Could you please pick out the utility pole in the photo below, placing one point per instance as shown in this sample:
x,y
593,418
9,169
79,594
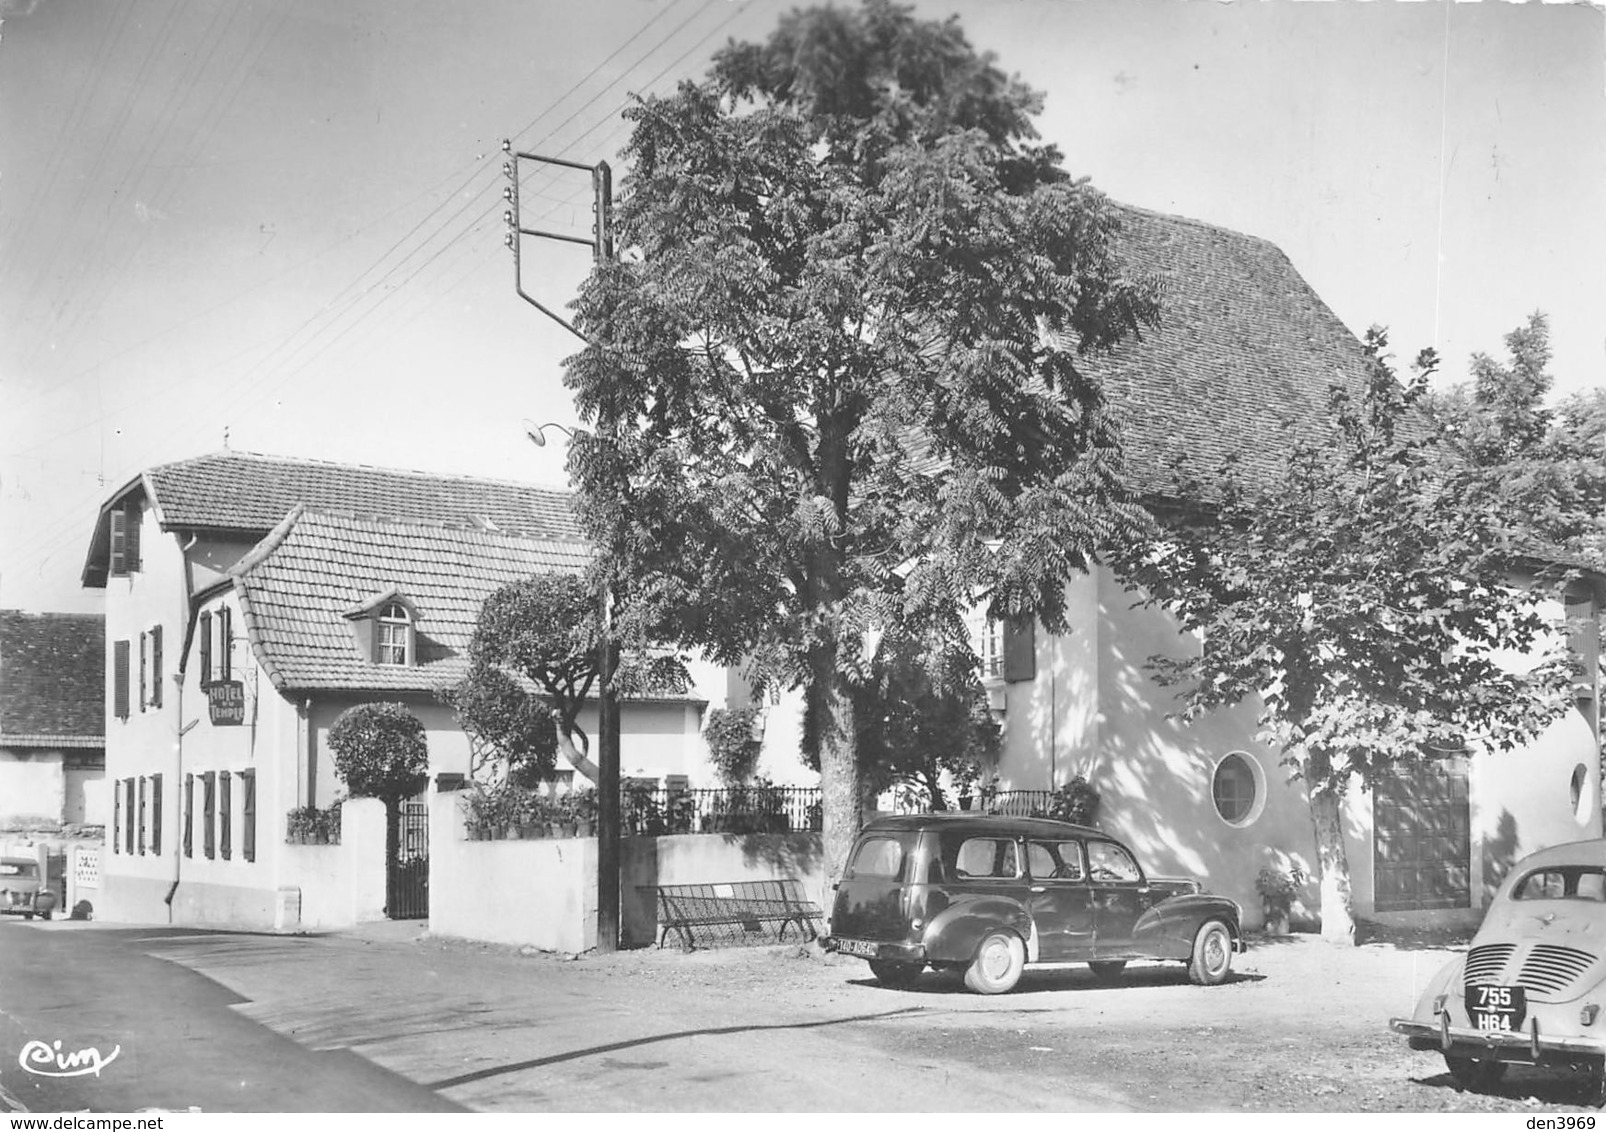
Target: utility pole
x,y
608,832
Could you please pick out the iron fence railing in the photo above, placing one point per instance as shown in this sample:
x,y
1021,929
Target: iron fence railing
x,y
1010,803
657,810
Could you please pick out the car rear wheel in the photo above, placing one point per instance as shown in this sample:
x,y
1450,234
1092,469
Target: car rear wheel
x,y
998,964
1211,961
1107,970
895,972
1471,1073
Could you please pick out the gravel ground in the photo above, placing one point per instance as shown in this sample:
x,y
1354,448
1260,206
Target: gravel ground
x,y
1303,1025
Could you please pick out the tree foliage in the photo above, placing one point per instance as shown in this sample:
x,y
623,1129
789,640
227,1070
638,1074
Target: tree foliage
x,y
733,745
835,374
1365,597
1540,471
380,751
547,630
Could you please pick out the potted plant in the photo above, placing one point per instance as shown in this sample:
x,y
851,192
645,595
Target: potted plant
x,y
1279,888
584,805
299,824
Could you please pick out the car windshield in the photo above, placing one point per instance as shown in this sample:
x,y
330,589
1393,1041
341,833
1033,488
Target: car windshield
x,y
18,868
1563,882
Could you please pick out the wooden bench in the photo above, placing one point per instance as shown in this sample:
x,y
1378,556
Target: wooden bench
x,y
741,912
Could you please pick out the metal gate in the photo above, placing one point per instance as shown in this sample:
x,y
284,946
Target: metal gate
x,y
407,870
1422,838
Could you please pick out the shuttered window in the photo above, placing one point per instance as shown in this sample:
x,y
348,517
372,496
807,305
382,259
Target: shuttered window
x,y
156,814
128,813
189,815
117,817
144,672
1020,649
225,640
205,635
225,811
124,527
142,815
208,809
248,814
156,666
120,679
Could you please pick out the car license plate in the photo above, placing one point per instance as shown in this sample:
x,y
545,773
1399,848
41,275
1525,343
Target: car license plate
x,y
861,947
1497,1008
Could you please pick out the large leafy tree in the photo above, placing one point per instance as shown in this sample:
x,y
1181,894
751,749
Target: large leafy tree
x,y
1541,471
1365,597
834,373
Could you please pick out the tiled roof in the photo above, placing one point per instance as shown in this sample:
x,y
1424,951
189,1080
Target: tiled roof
x,y
52,679
1243,357
297,587
245,491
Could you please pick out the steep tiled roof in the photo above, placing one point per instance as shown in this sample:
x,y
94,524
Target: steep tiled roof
x,y
1243,357
52,679
298,586
245,491
249,494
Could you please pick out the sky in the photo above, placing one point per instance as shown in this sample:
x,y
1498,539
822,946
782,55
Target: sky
x,y
276,225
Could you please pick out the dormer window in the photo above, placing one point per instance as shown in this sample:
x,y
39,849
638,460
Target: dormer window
x,y
393,637
385,628
124,530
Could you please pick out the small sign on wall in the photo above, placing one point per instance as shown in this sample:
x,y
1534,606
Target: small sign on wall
x,y
226,699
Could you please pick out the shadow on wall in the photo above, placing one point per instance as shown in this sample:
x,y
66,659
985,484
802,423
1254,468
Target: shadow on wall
x,y
790,855
1154,772
1500,852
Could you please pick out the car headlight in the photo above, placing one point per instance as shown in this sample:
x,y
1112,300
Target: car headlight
x,y
1438,1003
1588,1014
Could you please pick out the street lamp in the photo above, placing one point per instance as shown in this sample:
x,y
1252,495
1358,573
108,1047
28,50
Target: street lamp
x,y
607,750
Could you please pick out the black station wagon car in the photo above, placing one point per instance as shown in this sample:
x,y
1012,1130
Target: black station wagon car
x,y
1532,987
991,895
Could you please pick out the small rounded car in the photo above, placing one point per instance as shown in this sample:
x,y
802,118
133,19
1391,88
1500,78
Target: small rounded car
x,y
989,896
21,892
1531,988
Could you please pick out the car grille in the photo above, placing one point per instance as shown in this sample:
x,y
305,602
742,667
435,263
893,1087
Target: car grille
x,y
1485,963
1549,968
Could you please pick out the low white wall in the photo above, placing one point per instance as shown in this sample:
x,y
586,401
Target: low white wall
x,y
540,893
336,885
543,893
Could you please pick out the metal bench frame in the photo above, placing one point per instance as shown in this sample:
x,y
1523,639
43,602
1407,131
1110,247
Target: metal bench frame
x,y
740,912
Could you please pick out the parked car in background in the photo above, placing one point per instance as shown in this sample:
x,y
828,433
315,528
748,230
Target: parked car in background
x,y
990,896
22,891
1532,987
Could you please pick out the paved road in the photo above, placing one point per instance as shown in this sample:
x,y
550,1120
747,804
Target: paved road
x,y
225,1021
179,1038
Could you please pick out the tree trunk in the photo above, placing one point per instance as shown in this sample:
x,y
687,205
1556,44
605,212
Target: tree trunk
x,y
583,766
1327,815
841,790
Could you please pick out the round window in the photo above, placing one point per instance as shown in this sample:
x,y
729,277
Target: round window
x,y
1234,789
1576,791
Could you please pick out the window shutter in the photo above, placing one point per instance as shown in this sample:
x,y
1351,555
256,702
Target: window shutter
x,y
119,541
128,812
206,649
120,679
225,810
208,808
225,640
142,815
144,645
189,815
248,814
156,666
132,515
1020,649
156,814
117,817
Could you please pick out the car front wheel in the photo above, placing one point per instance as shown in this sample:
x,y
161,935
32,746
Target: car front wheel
x,y
1471,1073
895,972
1211,961
997,965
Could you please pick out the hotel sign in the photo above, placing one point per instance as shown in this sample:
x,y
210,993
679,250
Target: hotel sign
x,y
226,698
